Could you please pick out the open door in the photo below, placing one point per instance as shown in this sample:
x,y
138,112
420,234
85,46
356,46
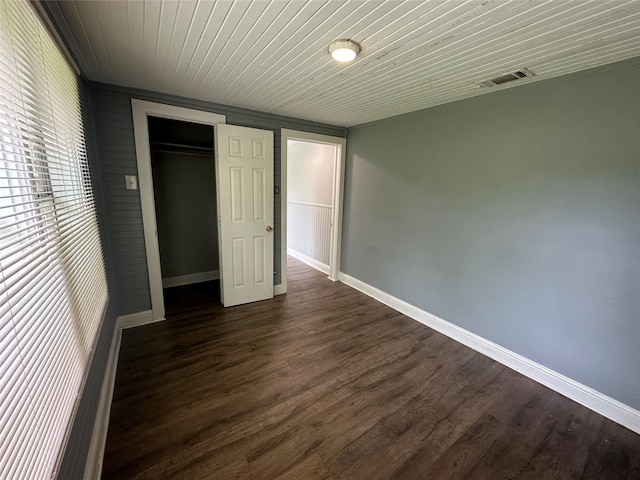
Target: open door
x,y
244,177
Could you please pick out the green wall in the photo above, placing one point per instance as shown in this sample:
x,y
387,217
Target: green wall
x,y
514,215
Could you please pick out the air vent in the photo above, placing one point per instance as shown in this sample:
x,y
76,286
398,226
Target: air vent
x,y
509,77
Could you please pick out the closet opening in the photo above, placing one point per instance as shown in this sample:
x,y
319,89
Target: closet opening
x,y
184,189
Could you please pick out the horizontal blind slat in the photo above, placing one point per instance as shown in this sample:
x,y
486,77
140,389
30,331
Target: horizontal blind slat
x,y
52,280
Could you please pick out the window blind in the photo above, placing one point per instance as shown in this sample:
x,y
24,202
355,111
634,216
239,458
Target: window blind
x,y
52,281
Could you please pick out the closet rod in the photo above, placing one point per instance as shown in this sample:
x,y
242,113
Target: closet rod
x,y
181,152
182,145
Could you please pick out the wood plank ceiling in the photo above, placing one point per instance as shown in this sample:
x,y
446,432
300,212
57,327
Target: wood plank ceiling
x,y
272,56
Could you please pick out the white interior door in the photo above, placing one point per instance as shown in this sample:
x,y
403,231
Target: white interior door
x,y
244,176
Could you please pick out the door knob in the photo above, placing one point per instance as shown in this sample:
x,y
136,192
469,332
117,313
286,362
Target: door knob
x,y
269,228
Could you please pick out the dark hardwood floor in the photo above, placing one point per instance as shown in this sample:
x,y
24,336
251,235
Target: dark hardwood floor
x,y
325,382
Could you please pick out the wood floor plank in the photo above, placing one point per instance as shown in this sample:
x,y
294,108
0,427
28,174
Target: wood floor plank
x,y
325,382
313,467
463,455
609,455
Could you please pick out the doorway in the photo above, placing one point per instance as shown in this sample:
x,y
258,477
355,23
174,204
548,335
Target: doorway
x,y
141,111
310,201
244,257
313,166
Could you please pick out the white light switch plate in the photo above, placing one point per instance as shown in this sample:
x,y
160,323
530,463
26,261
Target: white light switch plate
x,y
131,182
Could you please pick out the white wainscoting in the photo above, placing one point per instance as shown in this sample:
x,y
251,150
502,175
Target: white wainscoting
x,y
308,260
309,231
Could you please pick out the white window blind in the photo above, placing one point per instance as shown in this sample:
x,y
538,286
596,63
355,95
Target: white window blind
x,y
52,281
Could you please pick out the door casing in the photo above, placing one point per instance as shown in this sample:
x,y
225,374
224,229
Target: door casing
x,y
341,144
141,109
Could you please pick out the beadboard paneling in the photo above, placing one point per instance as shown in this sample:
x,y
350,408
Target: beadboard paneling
x,y
309,230
272,56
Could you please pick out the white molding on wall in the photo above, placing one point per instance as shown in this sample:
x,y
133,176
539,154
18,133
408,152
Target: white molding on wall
x,y
338,194
279,289
308,260
95,456
137,319
310,231
310,204
81,390
582,394
140,110
191,278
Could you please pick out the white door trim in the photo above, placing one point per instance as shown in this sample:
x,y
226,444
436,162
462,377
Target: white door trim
x,y
141,109
338,191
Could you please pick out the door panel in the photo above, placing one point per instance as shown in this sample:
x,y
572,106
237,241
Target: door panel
x,y
244,172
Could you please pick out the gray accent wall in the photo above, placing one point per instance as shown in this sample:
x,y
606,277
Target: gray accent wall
x,y
116,152
514,215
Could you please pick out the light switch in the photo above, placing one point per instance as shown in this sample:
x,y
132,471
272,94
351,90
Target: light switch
x,y
131,181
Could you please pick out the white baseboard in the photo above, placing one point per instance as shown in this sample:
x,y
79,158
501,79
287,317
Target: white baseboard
x,y
93,466
584,395
191,278
279,289
308,260
136,319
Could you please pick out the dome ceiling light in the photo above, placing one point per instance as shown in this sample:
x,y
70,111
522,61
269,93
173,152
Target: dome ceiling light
x,y
344,50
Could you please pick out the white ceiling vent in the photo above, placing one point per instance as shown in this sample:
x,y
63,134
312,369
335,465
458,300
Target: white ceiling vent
x,y
508,77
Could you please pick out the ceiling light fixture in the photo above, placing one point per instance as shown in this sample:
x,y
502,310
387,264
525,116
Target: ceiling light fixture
x,y
344,50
